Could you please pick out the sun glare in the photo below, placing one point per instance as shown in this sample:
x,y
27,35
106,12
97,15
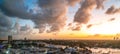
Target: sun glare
x,y
106,28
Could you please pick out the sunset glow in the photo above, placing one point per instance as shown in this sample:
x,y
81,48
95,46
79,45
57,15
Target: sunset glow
x,y
60,19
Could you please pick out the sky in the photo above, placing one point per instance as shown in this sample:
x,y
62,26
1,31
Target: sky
x,y
59,19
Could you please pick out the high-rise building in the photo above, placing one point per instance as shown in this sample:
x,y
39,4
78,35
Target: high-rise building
x,y
25,38
9,39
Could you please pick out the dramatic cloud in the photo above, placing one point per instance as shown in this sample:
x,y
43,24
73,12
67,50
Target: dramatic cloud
x,y
113,10
17,27
83,14
26,29
49,12
5,24
15,8
54,15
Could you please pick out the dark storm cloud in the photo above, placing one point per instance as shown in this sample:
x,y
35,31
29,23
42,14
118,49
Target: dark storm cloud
x,y
112,10
26,29
5,24
15,8
52,12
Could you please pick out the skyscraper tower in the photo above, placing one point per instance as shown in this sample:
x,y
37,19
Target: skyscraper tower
x,y
9,39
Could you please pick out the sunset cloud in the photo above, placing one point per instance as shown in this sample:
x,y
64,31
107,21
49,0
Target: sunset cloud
x,y
48,14
52,16
113,10
83,14
90,25
112,19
